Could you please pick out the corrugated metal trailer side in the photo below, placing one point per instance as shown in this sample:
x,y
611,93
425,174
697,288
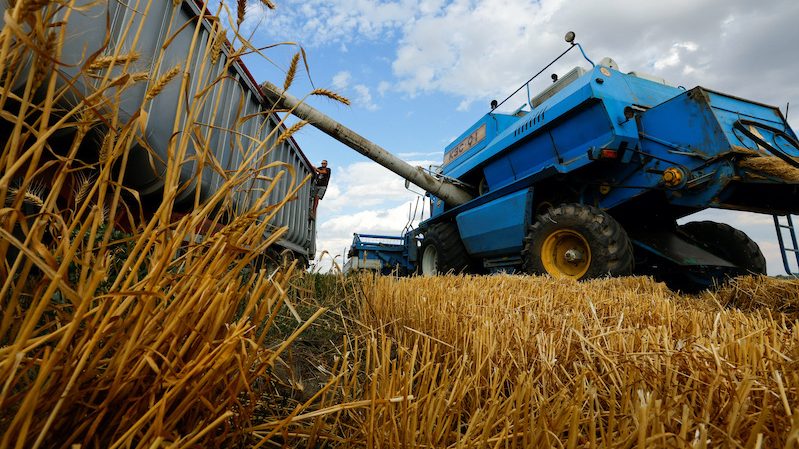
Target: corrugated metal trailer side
x,y
162,35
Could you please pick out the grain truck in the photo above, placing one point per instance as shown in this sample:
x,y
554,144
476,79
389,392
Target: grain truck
x,y
164,56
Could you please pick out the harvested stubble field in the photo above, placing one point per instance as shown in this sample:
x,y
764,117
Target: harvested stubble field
x,y
509,361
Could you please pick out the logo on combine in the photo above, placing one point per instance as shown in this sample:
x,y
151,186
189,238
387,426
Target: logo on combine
x,y
466,144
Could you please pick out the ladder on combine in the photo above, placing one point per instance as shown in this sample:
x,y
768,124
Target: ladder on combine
x,y
790,254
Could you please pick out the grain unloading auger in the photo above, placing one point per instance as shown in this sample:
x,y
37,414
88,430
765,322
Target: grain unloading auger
x,y
589,178
447,191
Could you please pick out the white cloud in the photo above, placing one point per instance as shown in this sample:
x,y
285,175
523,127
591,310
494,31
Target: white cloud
x,y
362,94
363,97
478,49
341,80
383,87
364,185
465,104
427,155
326,22
673,58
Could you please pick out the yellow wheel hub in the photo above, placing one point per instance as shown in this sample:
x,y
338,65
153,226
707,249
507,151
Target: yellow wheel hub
x,y
565,253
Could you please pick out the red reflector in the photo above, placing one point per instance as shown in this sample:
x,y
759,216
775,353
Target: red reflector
x,y
609,154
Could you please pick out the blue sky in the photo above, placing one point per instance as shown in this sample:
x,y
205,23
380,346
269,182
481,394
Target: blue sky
x,y
419,72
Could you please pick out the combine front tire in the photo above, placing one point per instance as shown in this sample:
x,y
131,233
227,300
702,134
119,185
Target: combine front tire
x,y
442,251
578,242
730,244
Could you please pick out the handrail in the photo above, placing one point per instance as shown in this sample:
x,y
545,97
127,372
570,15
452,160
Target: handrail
x,y
527,84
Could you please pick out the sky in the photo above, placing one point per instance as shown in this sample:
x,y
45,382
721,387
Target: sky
x,y
420,72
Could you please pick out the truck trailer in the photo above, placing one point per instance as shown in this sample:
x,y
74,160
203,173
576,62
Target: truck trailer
x,y
151,39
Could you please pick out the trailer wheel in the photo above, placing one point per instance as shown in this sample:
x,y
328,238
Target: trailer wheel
x,y
442,251
730,244
578,242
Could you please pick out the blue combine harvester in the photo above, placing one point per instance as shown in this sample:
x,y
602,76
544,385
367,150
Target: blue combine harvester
x,y
385,254
589,178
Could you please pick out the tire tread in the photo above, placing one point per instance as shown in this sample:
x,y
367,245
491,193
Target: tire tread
x,y
609,243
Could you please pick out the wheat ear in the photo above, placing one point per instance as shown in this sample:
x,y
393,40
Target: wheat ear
x,y
31,6
102,62
43,63
292,71
34,194
241,6
288,133
219,40
330,94
139,76
84,184
162,82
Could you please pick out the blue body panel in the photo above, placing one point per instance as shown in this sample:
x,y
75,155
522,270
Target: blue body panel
x,y
384,253
497,227
694,130
558,133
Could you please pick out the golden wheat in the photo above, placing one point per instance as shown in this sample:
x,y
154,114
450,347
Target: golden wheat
x,y
509,361
139,76
119,325
241,10
292,71
330,94
285,135
103,62
162,81
218,42
43,61
771,166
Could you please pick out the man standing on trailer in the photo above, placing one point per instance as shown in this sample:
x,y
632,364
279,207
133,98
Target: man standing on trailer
x,y
321,180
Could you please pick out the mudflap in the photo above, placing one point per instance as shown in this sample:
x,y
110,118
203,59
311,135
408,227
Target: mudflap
x,y
679,262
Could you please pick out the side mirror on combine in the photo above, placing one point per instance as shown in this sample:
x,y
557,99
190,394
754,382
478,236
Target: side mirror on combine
x,y
570,36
